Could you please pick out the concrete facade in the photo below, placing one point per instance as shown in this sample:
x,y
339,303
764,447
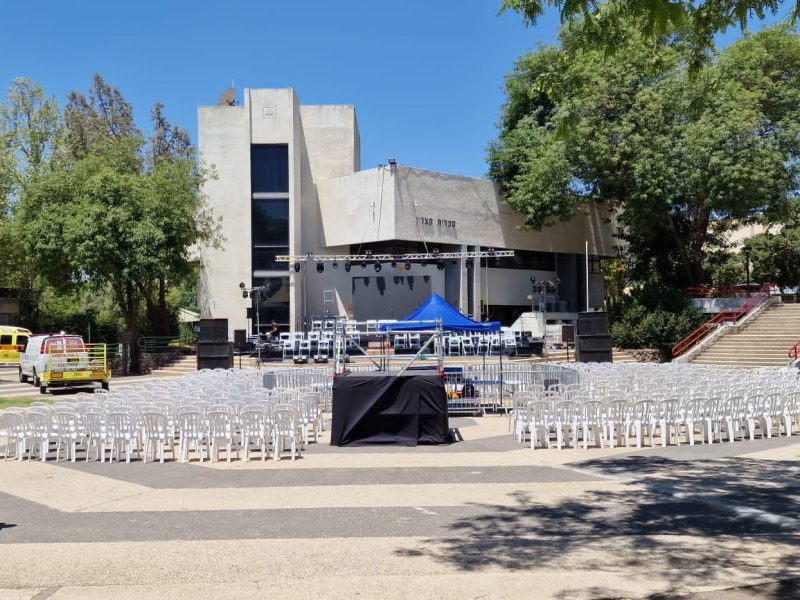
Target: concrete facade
x,y
336,208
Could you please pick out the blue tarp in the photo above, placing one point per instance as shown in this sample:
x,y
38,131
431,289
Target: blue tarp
x,y
437,307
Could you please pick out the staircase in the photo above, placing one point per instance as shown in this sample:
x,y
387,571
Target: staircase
x,y
763,343
185,364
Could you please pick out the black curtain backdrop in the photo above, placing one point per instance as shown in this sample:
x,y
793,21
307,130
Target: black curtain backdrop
x,y
389,410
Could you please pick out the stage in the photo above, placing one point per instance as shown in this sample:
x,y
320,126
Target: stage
x,y
385,409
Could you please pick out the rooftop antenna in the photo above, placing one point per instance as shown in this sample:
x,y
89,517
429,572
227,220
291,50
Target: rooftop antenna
x,y
228,98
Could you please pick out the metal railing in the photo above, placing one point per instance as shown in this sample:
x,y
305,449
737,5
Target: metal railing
x,y
724,317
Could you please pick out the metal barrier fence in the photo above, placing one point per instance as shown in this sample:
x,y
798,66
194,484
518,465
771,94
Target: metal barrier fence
x,y
490,385
474,388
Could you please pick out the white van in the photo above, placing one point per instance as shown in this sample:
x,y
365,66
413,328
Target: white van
x,y
60,360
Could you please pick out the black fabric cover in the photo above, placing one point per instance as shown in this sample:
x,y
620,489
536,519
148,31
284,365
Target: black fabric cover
x,y
386,409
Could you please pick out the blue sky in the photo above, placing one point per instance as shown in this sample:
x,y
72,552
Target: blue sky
x,y
425,76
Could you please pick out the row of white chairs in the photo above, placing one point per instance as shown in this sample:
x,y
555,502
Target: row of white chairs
x,y
207,410
613,403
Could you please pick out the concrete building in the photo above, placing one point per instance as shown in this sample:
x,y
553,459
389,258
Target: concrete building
x,y
289,181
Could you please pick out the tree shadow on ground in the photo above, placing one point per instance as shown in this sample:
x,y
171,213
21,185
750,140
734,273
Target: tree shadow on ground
x,y
642,530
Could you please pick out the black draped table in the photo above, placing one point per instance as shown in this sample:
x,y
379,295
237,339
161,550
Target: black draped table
x,y
376,408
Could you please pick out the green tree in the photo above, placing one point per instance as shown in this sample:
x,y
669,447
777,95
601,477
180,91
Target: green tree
x,y
602,22
30,135
116,213
775,258
669,154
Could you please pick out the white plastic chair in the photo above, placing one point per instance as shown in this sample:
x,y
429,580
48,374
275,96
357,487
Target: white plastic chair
x,y
122,433
565,421
254,426
156,435
221,431
592,421
67,432
38,432
191,430
285,428
95,422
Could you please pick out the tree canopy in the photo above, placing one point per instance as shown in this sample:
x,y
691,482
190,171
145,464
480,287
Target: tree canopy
x,y
678,159
603,23
94,203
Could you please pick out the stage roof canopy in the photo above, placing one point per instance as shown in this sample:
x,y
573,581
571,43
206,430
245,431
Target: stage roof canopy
x,y
436,307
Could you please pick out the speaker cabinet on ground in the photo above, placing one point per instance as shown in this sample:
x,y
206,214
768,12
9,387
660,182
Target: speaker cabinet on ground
x,y
239,337
214,355
593,348
213,330
592,323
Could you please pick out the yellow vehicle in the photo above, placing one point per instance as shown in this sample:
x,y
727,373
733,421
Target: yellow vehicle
x,y
12,343
61,360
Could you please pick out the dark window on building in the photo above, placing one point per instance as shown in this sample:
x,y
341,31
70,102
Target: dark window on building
x,y
274,305
269,169
264,259
595,264
270,222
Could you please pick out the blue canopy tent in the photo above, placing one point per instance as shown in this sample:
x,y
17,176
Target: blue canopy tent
x,y
437,308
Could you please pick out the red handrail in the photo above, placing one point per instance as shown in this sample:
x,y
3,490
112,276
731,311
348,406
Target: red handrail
x,y
718,319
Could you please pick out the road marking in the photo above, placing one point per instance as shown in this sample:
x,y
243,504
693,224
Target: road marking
x,y
424,511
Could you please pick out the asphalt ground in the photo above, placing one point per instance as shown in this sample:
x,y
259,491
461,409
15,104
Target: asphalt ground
x,y
482,518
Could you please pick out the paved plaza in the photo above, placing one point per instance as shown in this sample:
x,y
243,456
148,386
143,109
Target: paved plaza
x,y
484,518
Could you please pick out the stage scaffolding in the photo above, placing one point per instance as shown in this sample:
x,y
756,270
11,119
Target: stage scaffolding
x,y
353,341
486,382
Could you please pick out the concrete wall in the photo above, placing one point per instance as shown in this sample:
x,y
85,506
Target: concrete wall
x,y
358,208
447,209
224,144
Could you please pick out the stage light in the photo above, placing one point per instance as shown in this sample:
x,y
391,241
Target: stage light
x,y
244,293
242,285
296,267
440,264
393,264
363,264
335,265
470,263
423,262
347,266
377,266
320,267
408,265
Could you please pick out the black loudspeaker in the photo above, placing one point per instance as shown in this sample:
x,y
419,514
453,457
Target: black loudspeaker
x,y
594,348
239,337
214,355
592,323
567,334
213,363
213,330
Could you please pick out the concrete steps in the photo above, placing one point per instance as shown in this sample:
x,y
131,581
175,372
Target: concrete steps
x,y
763,343
185,364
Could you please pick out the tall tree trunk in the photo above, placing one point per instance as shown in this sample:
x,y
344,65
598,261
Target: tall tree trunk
x,y
163,310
